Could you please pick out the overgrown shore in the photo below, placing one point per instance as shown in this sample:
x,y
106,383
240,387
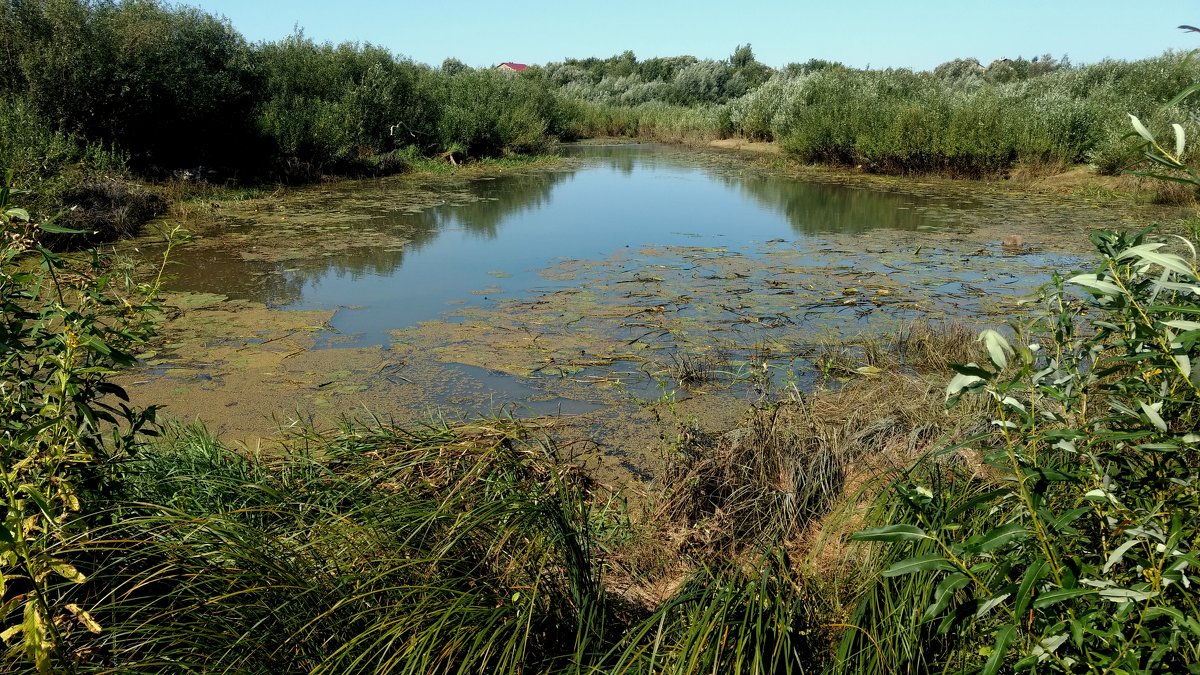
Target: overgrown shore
x,y
189,104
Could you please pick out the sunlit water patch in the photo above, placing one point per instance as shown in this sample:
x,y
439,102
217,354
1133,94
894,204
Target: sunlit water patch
x,y
637,271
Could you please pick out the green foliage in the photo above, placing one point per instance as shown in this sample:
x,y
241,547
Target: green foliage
x,y
334,107
414,552
427,551
760,618
1073,552
952,121
64,428
171,85
173,88
487,112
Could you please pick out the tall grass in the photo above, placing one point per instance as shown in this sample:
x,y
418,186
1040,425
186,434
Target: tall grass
x,y
391,552
432,551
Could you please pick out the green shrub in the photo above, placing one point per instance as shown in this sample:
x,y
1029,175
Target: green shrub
x,y
1074,548
64,427
173,86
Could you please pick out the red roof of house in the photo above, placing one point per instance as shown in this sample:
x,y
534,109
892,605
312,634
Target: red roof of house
x,y
515,66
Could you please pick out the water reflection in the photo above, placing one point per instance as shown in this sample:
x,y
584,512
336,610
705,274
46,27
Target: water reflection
x,y
811,208
407,252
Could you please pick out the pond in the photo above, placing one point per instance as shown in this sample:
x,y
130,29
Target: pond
x,y
635,273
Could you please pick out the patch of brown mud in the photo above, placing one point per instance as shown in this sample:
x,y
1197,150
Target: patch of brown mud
x,y
1083,182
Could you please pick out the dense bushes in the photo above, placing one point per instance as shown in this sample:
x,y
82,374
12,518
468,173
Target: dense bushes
x,y
949,121
961,119
1072,547
172,87
96,89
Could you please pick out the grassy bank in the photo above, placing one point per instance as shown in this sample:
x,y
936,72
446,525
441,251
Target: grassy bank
x,y
485,547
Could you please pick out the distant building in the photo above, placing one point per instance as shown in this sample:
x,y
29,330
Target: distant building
x,y
510,67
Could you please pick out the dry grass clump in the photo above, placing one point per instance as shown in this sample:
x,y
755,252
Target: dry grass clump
x,y
916,347
108,209
780,471
796,471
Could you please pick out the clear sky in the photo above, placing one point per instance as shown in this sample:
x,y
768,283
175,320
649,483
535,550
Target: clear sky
x,y
878,33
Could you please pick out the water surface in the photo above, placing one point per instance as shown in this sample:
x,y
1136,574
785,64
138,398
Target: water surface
x,y
492,237
592,288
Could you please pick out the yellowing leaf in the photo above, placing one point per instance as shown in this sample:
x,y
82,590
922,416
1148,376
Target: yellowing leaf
x,y
84,618
67,571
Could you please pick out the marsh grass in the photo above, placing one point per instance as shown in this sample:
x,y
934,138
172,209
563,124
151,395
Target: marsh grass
x,y
428,551
691,370
914,347
383,552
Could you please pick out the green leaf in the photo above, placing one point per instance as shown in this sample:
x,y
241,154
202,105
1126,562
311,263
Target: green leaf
x,y
1094,282
1001,536
1183,96
997,347
58,229
944,594
972,369
991,604
1004,638
1151,411
1127,595
1033,574
1117,555
1140,128
1068,517
891,533
921,563
1048,598
1170,612
960,382
1167,261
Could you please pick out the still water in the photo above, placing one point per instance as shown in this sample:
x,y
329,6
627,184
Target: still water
x,y
491,239
630,274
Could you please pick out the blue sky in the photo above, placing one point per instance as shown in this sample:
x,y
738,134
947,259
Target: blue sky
x,y
879,33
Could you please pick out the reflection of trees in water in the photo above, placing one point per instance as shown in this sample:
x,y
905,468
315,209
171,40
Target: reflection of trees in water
x,y
499,200
811,208
224,272
220,268
817,208
625,158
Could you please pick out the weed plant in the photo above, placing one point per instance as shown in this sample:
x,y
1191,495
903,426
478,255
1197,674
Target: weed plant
x,y
64,427
1071,551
